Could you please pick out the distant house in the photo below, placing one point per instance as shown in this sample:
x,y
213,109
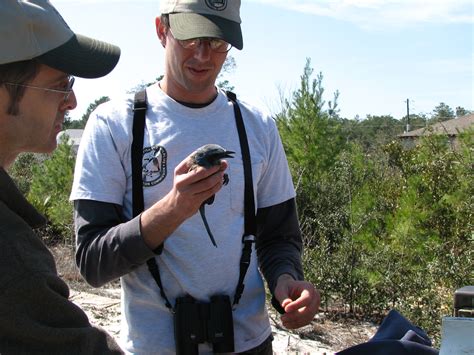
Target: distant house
x,y
450,128
74,135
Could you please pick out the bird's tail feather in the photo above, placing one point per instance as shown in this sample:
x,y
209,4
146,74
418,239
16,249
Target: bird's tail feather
x,y
208,229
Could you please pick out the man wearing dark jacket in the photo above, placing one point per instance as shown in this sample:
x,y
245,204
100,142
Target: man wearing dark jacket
x,y
39,54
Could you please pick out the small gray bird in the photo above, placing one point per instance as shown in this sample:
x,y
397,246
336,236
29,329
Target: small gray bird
x,y
207,156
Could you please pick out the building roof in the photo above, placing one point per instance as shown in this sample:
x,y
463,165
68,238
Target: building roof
x,y
451,127
74,135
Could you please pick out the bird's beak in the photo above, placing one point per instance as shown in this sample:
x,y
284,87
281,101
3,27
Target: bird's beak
x,y
228,154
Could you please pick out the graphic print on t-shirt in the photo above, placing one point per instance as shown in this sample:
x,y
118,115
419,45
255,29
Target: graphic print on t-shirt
x,y
153,165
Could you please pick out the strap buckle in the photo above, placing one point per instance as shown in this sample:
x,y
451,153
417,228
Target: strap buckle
x,y
248,238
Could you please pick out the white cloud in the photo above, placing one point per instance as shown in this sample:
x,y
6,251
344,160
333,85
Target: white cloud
x,y
372,13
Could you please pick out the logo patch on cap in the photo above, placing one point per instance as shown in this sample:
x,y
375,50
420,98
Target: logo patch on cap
x,y
218,5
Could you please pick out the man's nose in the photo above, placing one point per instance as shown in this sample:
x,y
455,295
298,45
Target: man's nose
x,y
203,51
70,103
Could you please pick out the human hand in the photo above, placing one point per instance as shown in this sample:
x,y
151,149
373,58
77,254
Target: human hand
x,y
299,299
207,156
190,189
193,184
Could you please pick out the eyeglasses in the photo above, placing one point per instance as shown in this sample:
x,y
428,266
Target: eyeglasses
x,y
66,92
217,45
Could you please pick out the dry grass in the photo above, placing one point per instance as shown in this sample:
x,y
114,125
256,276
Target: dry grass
x,y
64,256
67,270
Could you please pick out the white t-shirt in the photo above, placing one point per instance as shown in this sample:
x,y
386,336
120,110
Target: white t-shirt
x,y
189,264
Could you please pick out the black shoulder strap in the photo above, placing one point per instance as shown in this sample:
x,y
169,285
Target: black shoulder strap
x,y
250,229
249,202
139,114
139,109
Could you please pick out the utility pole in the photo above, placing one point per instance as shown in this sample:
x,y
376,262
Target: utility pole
x,y
408,116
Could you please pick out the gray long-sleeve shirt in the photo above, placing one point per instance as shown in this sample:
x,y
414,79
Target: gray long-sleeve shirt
x,y
108,246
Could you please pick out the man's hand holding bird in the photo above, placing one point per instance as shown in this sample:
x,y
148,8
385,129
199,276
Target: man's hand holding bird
x,y
208,156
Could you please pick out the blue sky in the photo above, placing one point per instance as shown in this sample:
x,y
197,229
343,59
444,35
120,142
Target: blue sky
x,y
376,53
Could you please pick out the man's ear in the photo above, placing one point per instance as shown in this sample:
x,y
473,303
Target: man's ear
x,y
160,31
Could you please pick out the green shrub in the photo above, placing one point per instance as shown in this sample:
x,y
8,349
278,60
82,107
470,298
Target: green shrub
x,y
21,170
50,188
404,232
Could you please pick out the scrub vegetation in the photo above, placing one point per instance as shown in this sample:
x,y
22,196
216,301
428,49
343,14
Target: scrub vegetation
x,y
385,227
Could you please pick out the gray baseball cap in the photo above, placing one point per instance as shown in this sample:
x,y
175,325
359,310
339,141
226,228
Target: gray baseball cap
x,y
34,29
205,18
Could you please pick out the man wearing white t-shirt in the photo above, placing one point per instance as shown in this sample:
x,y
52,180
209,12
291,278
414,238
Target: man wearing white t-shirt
x,y
186,111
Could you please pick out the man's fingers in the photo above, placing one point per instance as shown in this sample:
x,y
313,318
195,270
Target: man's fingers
x,y
183,167
300,300
300,316
204,189
297,302
286,302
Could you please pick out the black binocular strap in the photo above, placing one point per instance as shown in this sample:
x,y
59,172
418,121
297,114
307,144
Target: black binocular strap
x,y
250,229
139,114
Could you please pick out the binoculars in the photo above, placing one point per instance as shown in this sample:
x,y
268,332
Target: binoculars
x,y
199,322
